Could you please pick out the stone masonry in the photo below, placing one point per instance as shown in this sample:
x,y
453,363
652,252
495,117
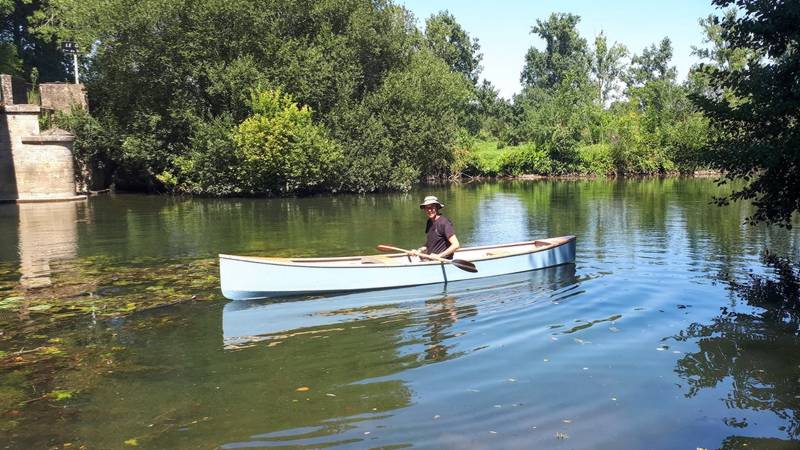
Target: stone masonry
x,y
62,97
34,166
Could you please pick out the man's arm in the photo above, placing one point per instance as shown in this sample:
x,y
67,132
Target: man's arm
x,y
454,245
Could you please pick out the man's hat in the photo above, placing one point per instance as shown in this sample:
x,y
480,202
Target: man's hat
x,y
431,200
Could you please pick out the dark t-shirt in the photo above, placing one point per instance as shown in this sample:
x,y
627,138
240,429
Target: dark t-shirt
x,y
438,234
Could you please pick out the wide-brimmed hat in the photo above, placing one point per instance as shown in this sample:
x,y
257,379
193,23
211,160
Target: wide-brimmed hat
x,y
431,200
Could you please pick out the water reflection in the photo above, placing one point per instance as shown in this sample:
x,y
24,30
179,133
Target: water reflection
x,y
47,233
752,347
247,321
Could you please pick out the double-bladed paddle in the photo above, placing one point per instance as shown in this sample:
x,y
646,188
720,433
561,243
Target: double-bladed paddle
x,y
460,263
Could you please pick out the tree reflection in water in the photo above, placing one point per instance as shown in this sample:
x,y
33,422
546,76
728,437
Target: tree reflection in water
x,y
757,350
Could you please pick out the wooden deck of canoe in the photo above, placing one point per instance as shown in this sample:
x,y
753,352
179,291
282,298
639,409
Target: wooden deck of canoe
x,y
473,254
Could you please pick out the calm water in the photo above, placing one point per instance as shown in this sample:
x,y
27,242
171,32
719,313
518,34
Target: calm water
x,y
633,347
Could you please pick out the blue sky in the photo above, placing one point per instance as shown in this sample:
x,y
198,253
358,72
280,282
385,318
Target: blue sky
x,y
503,28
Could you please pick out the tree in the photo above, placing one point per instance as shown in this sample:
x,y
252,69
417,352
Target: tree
x,y
449,41
406,129
756,137
22,49
565,56
718,55
652,65
607,66
174,78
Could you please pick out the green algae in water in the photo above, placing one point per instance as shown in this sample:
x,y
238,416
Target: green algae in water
x,y
61,395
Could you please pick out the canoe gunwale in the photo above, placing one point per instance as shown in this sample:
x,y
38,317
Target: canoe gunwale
x,y
310,262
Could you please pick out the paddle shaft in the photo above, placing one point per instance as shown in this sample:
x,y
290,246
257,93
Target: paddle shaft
x,y
460,263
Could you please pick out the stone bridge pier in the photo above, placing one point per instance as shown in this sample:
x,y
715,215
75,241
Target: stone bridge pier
x,y
34,166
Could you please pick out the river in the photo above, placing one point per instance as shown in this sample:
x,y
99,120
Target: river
x,y
637,345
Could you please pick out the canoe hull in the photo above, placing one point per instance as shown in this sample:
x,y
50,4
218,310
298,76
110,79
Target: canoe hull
x,y
243,278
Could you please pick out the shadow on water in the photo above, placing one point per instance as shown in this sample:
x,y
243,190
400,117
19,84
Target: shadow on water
x,y
752,346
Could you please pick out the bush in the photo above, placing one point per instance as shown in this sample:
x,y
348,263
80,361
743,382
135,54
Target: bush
x,y
96,148
406,129
525,159
596,159
211,164
686,141
281,150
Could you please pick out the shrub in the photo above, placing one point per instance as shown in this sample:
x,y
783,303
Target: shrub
x,y
525,159
96,148
211,164
596,159
281,150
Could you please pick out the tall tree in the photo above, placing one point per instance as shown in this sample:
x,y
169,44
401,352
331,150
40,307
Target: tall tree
x,y
608,65
448,40
22,49
652,64
756,138
718,54
565,56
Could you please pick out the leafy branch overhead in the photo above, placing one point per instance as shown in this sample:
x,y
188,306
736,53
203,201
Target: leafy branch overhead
x,y
753,102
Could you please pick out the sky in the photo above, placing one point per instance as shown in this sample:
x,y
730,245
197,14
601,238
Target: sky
x,y
503,27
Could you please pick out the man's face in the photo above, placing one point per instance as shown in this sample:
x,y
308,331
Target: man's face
x,y
431,211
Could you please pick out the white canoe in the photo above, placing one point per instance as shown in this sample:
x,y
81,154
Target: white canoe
x,y
248,277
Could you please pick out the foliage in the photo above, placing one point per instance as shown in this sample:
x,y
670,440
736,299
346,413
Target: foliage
x,y
22,49
565,56
10,62
406,128
280,149
596,159
607,66
753,105
525,159
96,148
449,41
652,65
211,166
384,104
483,159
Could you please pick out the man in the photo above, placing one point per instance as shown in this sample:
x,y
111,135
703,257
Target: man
x,y
442,240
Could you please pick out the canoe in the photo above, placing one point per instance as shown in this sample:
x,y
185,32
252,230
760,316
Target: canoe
x,y
250,277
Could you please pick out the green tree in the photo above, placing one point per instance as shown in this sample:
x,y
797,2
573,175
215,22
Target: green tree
x,y
566,54
608,65
10,62
756,129
22,48
492,111
406,129
173,75
652,65
448,40
555,109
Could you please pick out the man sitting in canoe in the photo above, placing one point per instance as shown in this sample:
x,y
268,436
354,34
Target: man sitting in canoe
x,y
442,240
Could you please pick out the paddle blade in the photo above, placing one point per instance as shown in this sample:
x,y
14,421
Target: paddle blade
x,y
388,248
465,265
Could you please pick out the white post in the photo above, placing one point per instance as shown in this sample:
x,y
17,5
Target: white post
x,y
75,64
